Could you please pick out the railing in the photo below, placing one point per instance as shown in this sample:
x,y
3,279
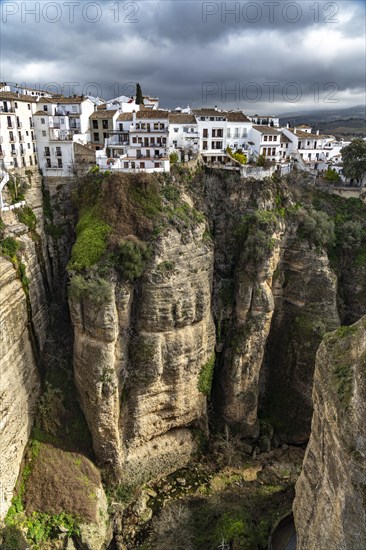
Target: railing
x,y
13,152
8,110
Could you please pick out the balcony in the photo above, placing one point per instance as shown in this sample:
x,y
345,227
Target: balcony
x,y
7,110
60,135
13,152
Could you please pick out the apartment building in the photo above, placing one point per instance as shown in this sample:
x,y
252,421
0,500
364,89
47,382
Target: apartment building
x,y
266,141
183,132
18,147
102,126
58,124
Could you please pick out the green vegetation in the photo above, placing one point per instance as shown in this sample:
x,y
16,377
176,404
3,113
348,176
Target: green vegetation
x,y
343,380
130,259
261,160
317,228
9,247
139,96
239,155
254,234
205,377
354,159
332,176
174,157
90,243
166,267
97,291
147,199
344,331
17,189
27,216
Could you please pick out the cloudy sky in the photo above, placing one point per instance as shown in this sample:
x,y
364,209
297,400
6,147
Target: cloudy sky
x,y
273,56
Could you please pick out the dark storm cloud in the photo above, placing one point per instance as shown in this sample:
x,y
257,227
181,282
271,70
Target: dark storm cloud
x,y
175,48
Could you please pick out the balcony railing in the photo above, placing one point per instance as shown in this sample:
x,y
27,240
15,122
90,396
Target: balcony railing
x,y
13,152
8,110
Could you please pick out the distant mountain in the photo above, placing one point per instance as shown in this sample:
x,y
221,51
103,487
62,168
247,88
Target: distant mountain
x,y
326,115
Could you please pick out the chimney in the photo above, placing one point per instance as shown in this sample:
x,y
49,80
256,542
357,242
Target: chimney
x,y
215,107
288,125
134,117
317,132
295,130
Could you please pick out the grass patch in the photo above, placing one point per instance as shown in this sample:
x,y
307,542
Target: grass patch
x,y
27,216
91,240
206,376
55,231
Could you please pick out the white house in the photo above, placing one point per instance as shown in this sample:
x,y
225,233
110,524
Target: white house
x,y
17,137
238,130
59,124
265,120
266,141
183,132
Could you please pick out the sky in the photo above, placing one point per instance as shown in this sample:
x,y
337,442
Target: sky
x,y
259,56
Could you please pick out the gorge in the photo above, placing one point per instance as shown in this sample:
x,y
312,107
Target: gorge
x,y
160,335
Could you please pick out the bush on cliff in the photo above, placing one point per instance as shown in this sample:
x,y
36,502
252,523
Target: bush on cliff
x,y
130,258
91,239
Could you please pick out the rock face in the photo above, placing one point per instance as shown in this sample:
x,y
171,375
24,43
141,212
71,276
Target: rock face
x,y
330,504
305,307
137,360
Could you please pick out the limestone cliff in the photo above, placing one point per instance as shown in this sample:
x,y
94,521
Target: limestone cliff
x,y
138,356
330,504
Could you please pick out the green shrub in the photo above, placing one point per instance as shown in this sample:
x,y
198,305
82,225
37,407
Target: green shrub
x,y
343,380
317,228
130,259
90,244
332,175
205,377
9,247
27,216
173,157
97,291
261,160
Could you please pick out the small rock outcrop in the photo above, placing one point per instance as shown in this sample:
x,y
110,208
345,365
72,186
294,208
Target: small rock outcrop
x,y
330,503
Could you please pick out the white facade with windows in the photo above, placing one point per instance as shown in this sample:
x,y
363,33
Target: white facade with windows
x,y
18,147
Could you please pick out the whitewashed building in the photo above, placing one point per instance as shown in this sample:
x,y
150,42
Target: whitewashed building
x,y
18,147
59,124
183,133
266,141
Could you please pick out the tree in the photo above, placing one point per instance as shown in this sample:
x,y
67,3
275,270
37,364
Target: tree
x,y
354,159
332,176
139,96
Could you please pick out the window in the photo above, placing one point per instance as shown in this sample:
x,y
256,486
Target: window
x,y
204,145
15,104
48,163
28,105
205,132
11,136
59,162
43,121
44,133
156,164
28,145
273,150
45,108
58,152
26,133
46,151
10,124
105,124
142,165
274,138
62,120
74,108
30,161
125,164
134,140
270,138
176,129
96,136
105,135
265,138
